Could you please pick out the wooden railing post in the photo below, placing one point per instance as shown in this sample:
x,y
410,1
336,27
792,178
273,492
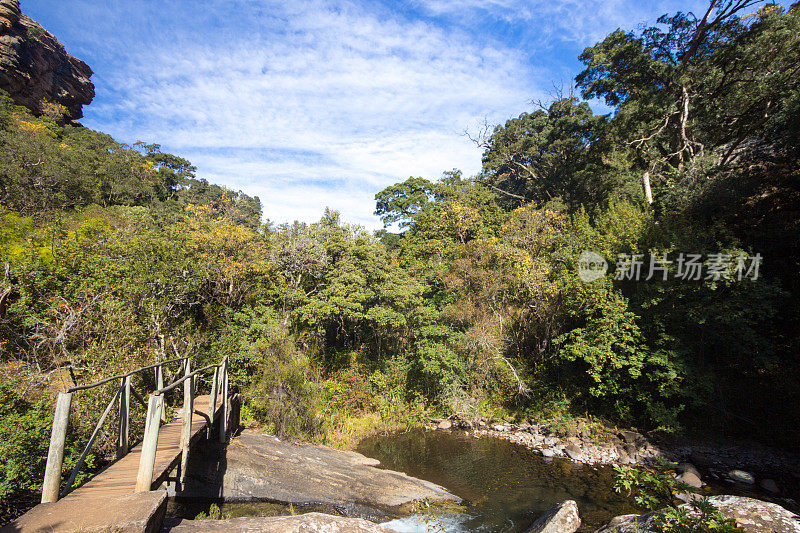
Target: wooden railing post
x,y
212,401
123,435
160,385
147,460
55,454
223,415
188,410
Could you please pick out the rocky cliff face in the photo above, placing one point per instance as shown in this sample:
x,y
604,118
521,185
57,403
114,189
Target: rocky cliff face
x,y
36,70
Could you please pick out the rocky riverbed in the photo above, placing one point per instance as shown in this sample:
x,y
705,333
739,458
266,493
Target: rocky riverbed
x,y
753,516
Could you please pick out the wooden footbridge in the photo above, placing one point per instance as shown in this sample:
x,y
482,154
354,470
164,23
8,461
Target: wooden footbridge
x,y
163,450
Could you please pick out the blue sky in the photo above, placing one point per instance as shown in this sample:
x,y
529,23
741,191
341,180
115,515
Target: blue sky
x,y
325,102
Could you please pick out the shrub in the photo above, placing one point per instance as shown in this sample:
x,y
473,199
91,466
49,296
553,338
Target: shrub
x,y
655,488
24,439
279,388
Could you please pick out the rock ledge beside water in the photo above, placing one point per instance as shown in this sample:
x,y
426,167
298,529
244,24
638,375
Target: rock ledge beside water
x,y
257,466
281,524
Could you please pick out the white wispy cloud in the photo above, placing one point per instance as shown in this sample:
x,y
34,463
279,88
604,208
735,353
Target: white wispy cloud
x,y
318,104
555,21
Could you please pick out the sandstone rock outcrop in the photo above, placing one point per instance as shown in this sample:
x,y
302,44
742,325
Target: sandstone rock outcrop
x,y
257,466
36,70
281,524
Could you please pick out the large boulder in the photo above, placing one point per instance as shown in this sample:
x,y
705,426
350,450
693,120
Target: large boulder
x,y
318,522
561,518
691,479
35,70
754,516
258,466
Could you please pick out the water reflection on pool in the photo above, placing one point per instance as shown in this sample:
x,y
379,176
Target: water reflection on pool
x,y
506,486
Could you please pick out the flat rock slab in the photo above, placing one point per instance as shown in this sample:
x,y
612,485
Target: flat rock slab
x,y
317,522
142,512
258,466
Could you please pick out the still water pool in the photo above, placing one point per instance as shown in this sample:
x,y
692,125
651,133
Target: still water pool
x,y
505,485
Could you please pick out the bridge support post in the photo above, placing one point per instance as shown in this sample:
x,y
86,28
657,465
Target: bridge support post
x,y
123,436
212,403
160,385
55,454
223,415
147,461
188,410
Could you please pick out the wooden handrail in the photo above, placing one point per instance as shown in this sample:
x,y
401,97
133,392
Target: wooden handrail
x,y
147,459
184,378
74,474
120,376
55,454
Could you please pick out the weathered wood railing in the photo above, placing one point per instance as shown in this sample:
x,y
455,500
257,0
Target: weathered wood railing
x,y
155,409
156,414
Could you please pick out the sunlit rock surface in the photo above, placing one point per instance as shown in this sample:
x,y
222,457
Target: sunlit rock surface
x,y
257,466
281,524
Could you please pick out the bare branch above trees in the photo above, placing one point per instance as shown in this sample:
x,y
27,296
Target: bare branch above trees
x,y
481,140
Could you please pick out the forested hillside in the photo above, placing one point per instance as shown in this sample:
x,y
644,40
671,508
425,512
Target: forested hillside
x,y
115,255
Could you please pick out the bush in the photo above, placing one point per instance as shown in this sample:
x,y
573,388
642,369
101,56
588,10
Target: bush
x,y
606,354
24,439
655,488
279,388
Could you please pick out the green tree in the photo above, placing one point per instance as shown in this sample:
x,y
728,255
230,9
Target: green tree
x,y
547,155
693,84
399,203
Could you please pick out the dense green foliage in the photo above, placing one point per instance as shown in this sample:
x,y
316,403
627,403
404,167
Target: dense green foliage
x,y
23,434
24,438
115,255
